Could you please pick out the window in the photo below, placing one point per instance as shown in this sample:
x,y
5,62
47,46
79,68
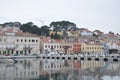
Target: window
x,y
45,66
48,66
36,73
16,73
17,40
54,66
32,73
28,73
49,46
4,39
90,47
33,40
24,73
29,40
21,40
36,40
83,47
25,40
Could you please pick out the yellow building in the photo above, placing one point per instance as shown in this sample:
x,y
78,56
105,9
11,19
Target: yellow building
x,y
59,33
66,47
92,47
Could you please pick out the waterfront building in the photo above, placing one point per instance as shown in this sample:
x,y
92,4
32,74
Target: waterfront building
x,y
76,47
66,47
61,46
92,47
114,47
48,45
14,41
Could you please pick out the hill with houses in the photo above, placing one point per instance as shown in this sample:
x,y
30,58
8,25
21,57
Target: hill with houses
x,y
68,35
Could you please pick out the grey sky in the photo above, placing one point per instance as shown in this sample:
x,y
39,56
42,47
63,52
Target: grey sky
x,y
92,14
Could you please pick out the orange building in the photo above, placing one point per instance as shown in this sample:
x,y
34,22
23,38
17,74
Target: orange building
x,y
76,47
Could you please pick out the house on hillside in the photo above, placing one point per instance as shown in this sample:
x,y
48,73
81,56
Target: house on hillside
x,y
86,32
98,33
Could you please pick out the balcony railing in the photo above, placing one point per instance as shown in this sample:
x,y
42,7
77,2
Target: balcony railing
x,y
10,48
27,48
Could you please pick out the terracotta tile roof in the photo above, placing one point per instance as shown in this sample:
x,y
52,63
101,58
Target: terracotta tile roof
x,y
17,32
58,40
76,43
110,35
92,43
49,40
10,30
98,31
44,39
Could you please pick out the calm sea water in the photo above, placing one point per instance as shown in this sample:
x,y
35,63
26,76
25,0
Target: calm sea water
x,y
49,69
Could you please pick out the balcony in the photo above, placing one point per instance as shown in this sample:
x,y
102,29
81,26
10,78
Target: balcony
x,y
10,48
27,48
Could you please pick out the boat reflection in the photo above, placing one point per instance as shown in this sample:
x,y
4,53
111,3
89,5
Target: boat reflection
x,y
49,69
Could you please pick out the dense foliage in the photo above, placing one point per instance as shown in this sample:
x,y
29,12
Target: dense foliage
x,y
61,26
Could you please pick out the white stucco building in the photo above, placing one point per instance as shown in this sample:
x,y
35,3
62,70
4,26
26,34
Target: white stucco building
x,y
14,41
86,33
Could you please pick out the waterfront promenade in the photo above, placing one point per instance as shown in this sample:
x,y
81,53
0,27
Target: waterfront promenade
x,y
67,57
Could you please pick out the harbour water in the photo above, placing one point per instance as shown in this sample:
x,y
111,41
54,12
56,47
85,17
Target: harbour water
x,y
55,69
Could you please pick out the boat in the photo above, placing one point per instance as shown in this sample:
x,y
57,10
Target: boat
x,y
6,60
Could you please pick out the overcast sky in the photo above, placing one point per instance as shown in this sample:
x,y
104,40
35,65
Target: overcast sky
x,y
92,14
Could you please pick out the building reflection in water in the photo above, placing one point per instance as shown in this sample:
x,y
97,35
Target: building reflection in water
x,y
23,69
50,69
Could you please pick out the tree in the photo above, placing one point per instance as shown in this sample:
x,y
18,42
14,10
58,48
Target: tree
x,y
31,28
11,24
110,32
44,30
62,25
